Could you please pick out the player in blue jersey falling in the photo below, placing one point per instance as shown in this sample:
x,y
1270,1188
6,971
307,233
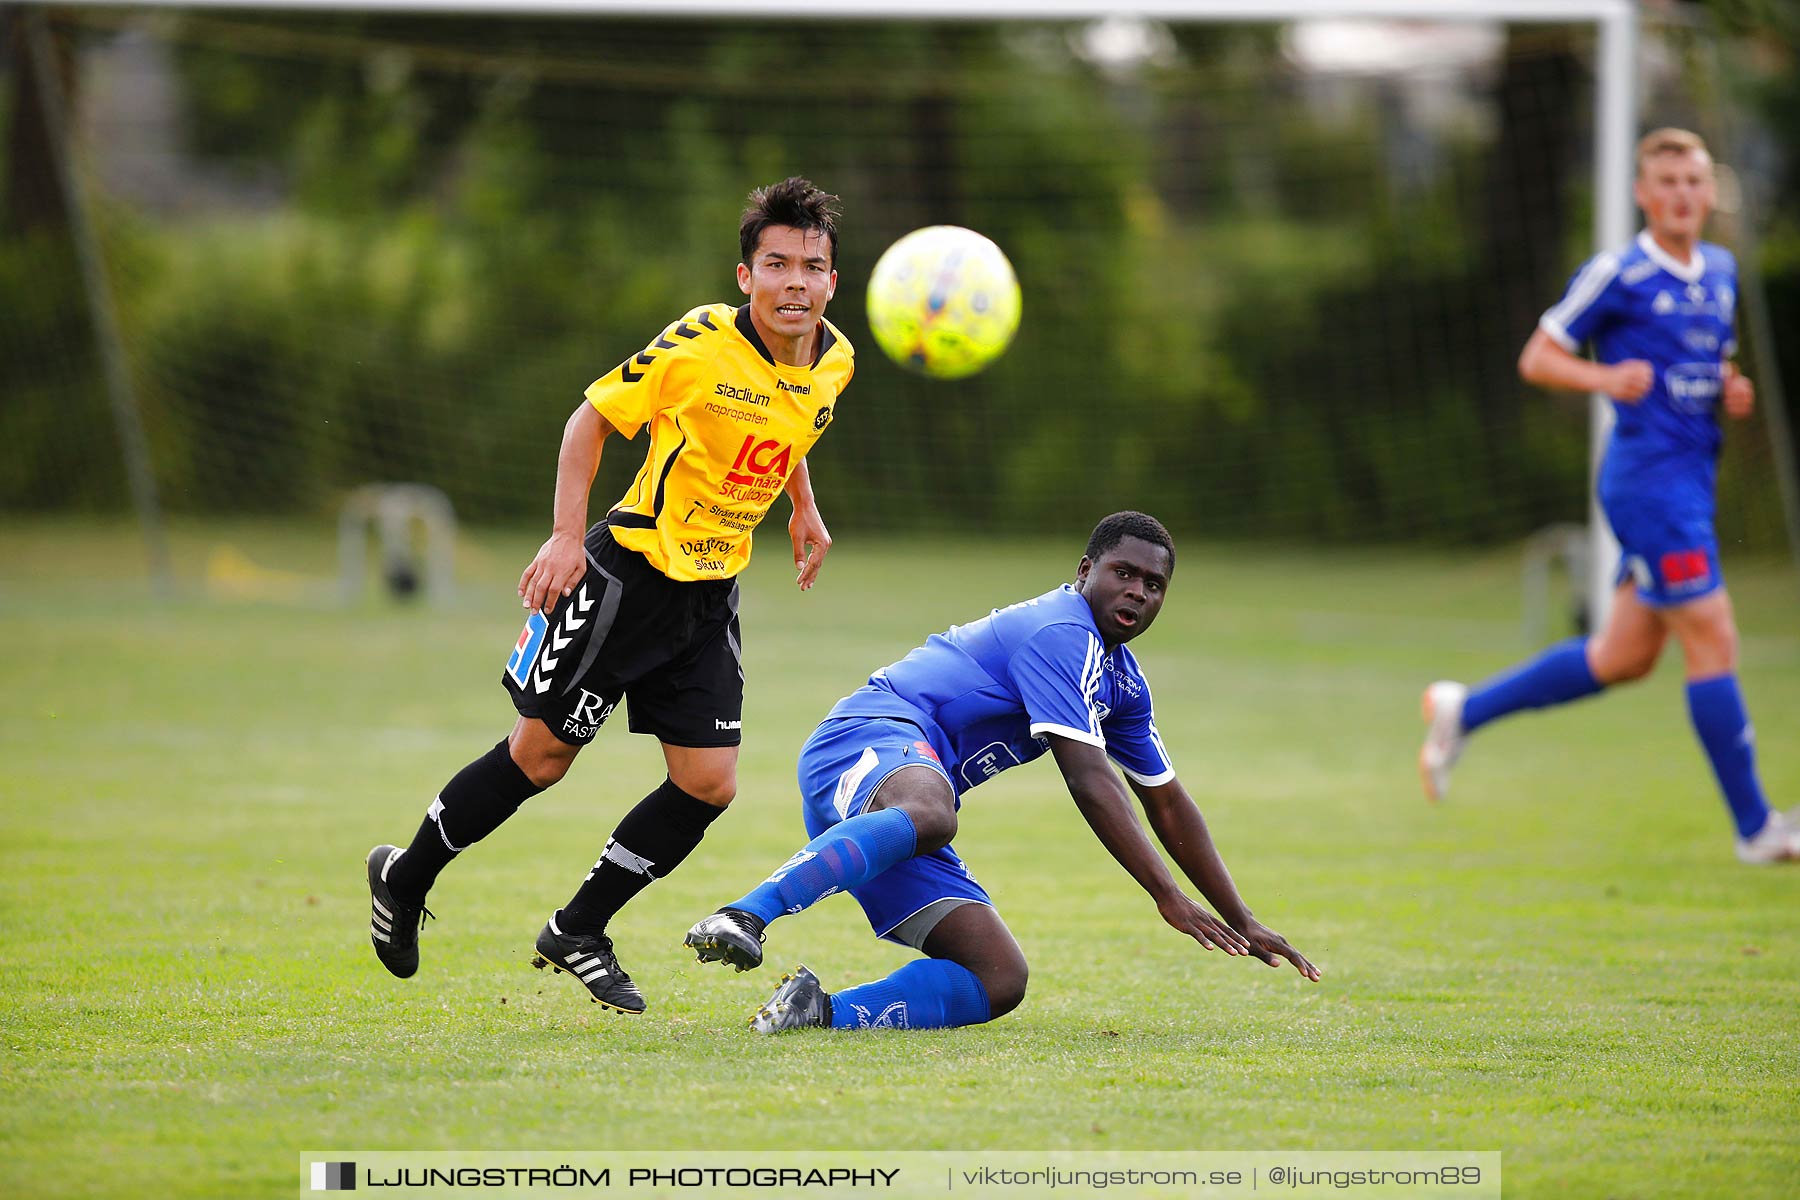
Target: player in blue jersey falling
x,y
1659,315
883,776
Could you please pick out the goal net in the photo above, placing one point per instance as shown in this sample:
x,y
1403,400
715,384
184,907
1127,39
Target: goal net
x,y
1275,275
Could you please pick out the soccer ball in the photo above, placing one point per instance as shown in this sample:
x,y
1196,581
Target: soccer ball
x,y
943,301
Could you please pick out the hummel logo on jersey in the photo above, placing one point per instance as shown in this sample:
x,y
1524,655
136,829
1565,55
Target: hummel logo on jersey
x,y
799,389
645,359
1663,304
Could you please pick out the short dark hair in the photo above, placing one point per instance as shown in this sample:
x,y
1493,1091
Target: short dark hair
x,y
794,202
1121,525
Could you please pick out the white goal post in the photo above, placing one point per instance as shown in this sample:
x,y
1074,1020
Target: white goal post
x,y
1615,95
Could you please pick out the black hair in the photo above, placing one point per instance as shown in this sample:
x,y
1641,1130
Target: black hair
x,y
1121,525
794,202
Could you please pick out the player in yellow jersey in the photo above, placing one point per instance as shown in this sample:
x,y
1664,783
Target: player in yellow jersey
x,y
644,607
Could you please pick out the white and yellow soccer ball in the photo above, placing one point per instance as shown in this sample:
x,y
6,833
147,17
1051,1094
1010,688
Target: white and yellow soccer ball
x,y
943,301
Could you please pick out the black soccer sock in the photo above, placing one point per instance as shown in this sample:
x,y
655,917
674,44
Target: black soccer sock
x,y
471,806
650,842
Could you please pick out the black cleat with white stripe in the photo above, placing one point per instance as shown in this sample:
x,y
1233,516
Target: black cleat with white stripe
x,y
393,926
589,958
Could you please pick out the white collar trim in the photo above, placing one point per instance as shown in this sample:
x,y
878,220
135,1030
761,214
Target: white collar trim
x,y
1689,271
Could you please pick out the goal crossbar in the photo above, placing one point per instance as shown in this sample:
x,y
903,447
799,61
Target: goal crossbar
x,y
1560,12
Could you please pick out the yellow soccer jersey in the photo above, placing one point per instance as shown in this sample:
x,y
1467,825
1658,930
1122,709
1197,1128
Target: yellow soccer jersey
x,y
728,424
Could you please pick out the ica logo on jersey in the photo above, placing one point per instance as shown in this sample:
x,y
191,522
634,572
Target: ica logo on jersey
x,y
757,460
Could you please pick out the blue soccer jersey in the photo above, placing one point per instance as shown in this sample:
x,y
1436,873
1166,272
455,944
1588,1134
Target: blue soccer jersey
x,y
987,693
1644,304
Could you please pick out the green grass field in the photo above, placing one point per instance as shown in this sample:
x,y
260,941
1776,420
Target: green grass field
x,y
1564,963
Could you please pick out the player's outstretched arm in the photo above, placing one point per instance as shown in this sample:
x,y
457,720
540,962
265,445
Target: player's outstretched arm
x,y
1101,797
1548,365
1183,832
561,561
806,528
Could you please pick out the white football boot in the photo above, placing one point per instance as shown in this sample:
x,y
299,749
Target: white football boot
x,y
1777,841
1442,707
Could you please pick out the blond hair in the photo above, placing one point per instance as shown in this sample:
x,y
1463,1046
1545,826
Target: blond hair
x,y
1669,141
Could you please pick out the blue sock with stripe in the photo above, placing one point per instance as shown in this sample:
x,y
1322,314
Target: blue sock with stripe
x,y
1716,707
847,855
927,993
1557,676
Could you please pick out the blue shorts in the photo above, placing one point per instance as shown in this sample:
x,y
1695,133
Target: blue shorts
x,y
842,764
1669,551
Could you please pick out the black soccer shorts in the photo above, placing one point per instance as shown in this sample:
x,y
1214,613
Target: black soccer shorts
x,y
671,649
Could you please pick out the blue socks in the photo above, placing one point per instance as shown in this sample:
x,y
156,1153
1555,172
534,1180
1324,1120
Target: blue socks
x,y
847,855
1716,707
927,993
1556,676
930,993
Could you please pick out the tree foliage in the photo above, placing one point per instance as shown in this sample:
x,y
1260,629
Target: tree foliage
x,y
1226,290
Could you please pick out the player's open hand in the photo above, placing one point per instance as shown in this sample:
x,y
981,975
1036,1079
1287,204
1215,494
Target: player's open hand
x,y
560,564
1189,918
811,543
1740,394
1629,380
1271,947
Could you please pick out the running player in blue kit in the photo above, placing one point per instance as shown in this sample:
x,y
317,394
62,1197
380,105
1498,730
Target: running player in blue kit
x,y
1659,315
883,777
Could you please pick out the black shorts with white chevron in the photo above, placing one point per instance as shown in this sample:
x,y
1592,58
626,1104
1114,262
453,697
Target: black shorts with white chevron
x,y
671,649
